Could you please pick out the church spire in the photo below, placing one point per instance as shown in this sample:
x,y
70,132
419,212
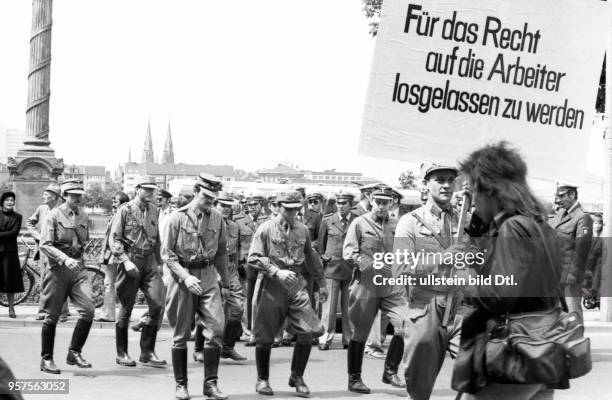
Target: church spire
x,y
147,151
168,155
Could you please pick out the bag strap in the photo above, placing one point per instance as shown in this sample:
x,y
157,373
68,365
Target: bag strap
x,y
551,264
431,229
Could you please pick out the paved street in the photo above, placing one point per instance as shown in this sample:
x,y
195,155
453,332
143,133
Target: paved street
x,y
326,372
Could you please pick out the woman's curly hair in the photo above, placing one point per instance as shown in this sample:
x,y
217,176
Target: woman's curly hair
x,y
500,170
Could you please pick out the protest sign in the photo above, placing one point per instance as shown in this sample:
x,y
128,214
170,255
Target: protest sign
x,y
449,77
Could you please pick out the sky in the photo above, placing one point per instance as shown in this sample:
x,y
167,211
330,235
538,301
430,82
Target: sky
x,y
244,83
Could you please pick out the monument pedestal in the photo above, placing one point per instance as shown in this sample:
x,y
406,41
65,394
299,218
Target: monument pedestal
x,y
31,171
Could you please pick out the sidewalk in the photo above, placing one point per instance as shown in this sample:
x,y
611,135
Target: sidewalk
x,y
26,316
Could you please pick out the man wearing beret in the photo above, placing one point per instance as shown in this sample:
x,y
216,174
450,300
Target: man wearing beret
x,y
233,304
281,250
63,238
195,250
368,235
575,230
337,271
431,328
134,242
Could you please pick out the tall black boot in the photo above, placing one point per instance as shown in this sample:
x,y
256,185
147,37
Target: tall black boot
x,y
179,364
262,360
301,353
211,368
354,357
147,347
229,339
198,348
79,336
392,362
47,343
121,340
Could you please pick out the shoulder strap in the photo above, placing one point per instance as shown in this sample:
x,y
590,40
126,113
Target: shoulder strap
x,y
195,226
431,229
65,217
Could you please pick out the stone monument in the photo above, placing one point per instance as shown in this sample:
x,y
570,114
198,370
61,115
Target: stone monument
x,y
35,164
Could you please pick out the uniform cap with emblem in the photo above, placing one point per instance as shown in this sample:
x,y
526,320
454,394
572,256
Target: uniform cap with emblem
x,y
225,198
209,184
271,197
146,182
564,186
344,196
428,169
164,193
256,197
383,192
54,188
370,187
314,195
397,195
72,187
290,199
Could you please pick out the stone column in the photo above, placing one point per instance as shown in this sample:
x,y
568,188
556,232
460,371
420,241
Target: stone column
x,y
35,165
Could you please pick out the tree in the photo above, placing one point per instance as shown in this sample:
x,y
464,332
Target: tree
x,y
407,180
96,196
371,8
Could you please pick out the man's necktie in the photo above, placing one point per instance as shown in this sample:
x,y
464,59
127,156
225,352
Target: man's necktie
x,y
446,227
344,223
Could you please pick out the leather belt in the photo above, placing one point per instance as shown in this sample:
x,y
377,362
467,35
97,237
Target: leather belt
x,y
140,252
195,264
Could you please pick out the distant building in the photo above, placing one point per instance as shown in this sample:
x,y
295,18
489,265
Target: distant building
x,y
11,140
167,170
285,174
88,174
4,174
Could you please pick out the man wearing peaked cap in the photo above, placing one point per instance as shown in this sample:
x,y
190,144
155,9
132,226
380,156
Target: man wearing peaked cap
x,y
575,230
432,329
233,304
281,250
134,242
248,225
62,241
365,205
337,271
368,235
52,197
195,249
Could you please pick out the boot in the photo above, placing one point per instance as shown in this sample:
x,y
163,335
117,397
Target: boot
x,y
301,353
47,344
147,348
179,364
229,340
392,362
75,358
121,338
262,360
354,362
211,368
79,336
198,354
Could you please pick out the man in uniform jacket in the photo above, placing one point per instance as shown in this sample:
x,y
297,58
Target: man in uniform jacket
x,y
337,271
574,229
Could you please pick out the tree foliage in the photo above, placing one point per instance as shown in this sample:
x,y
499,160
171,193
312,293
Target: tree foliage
x,y
371,8
96,196
407,180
